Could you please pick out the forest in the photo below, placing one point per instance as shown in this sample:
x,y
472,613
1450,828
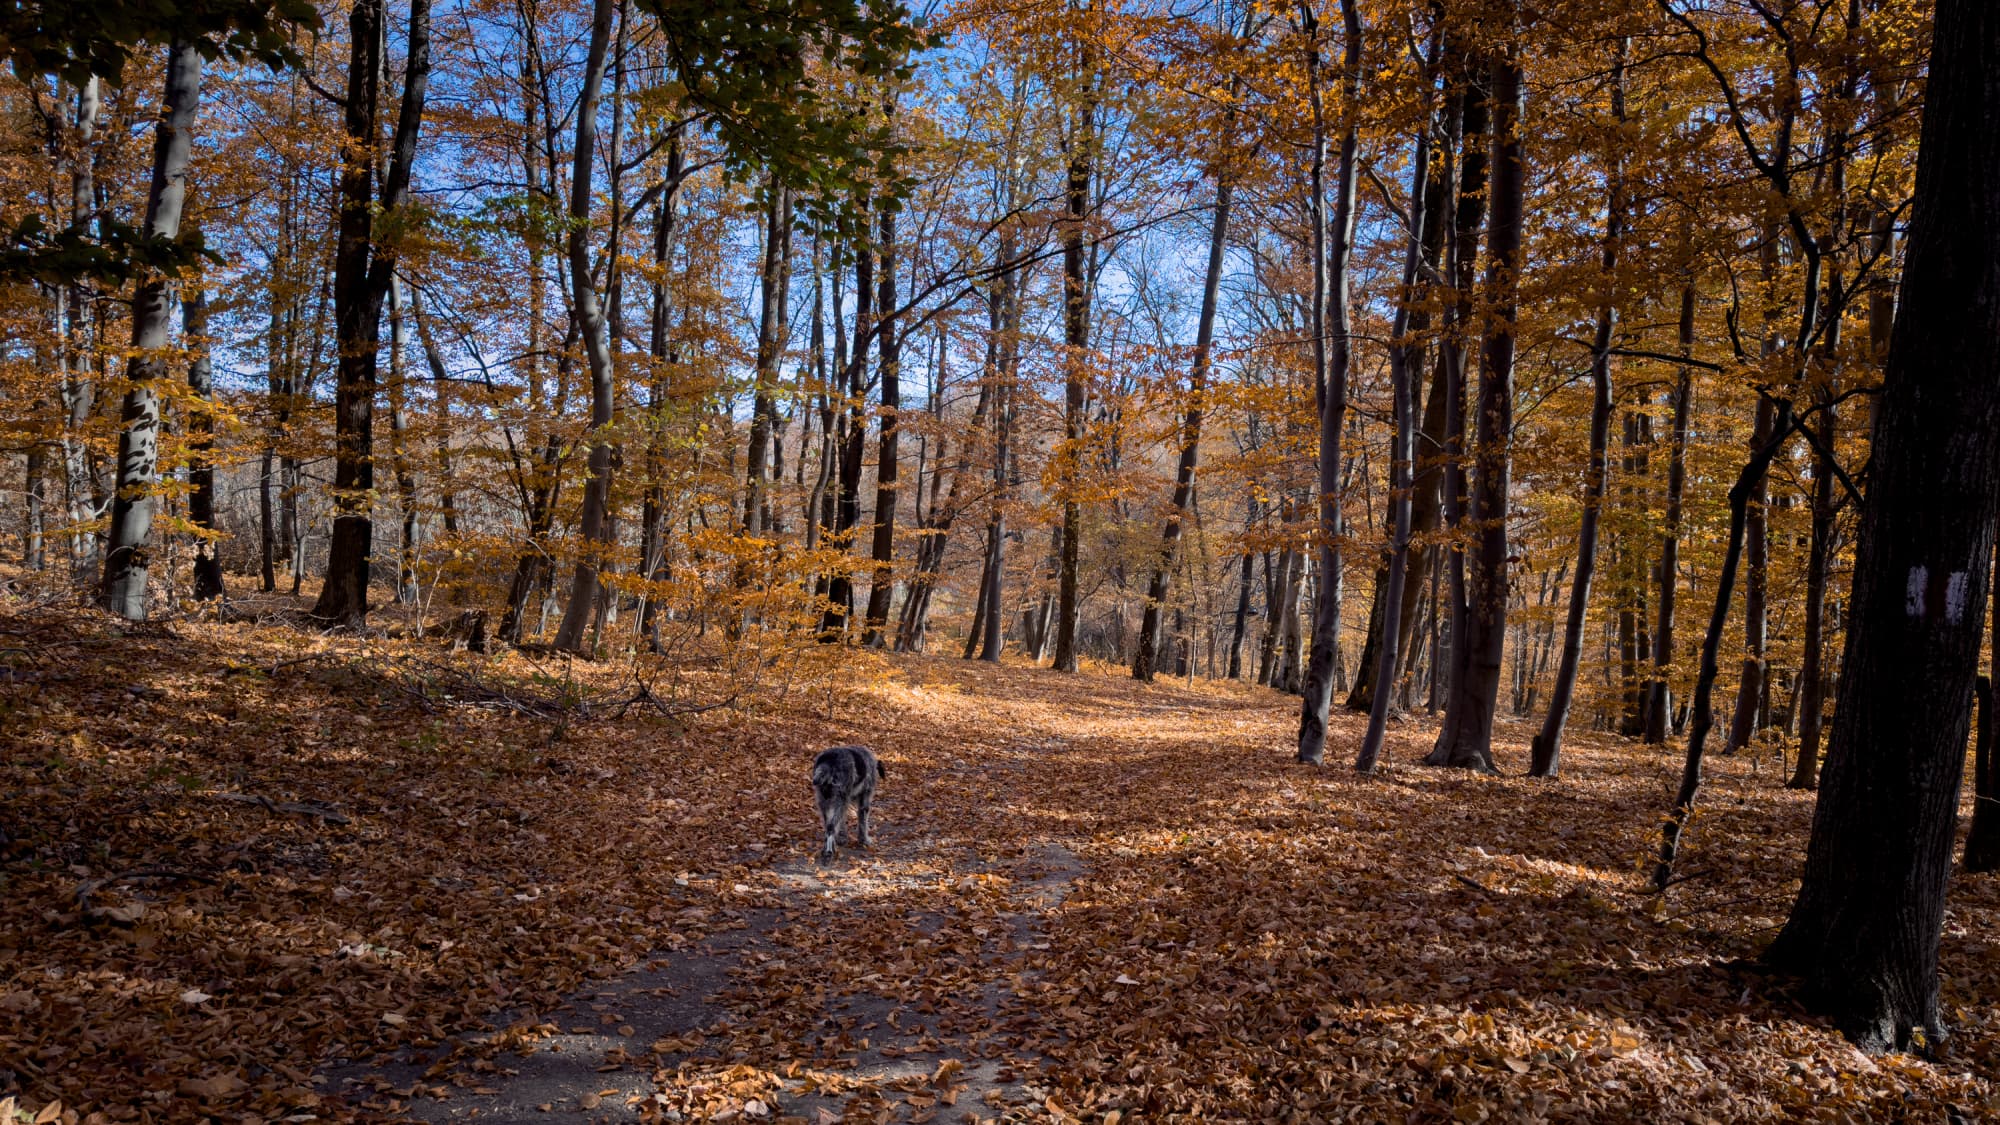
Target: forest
x,y
1403,560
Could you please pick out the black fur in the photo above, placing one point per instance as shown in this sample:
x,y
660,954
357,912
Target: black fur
x,y
843,776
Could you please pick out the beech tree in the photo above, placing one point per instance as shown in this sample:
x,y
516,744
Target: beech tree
x,y
1864,930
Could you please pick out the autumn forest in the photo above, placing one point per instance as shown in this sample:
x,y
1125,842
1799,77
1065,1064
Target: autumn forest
x,y
1403,559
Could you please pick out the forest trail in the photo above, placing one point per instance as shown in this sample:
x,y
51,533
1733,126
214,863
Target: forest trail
x,y
1094,897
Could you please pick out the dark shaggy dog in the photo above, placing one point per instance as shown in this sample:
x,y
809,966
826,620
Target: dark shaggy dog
x,y
843,776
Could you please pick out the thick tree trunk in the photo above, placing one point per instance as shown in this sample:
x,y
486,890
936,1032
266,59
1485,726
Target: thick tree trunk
x,y
1468,216
1545,758
1467,737
361,280
1333,245
1864,931
126,561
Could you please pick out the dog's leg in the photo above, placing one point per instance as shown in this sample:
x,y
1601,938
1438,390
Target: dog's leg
x,y
831,814
867,800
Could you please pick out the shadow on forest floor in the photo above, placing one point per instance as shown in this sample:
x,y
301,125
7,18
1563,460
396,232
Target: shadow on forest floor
x,y
244,886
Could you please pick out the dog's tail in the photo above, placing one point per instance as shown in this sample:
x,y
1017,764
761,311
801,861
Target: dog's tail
x,y
880,773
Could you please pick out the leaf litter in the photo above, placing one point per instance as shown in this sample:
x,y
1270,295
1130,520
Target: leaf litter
x,y
252,891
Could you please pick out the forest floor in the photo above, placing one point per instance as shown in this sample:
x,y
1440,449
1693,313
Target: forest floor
x,y
255,873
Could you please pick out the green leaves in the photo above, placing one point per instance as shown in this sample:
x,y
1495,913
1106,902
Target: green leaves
x,y
75,40
119,252
771,77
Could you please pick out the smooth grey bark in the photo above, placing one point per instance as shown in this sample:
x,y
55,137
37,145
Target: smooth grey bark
x,y
122,589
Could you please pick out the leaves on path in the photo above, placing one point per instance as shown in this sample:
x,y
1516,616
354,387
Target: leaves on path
x,y
1092,900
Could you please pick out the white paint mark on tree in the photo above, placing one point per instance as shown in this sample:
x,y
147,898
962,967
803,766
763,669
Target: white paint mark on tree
x,y
1954,596
1913,594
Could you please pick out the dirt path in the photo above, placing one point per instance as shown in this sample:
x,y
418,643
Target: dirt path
x,y
882,986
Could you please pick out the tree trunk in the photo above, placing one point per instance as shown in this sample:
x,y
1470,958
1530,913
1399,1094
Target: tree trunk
x,y
854,436
1865,928
1545,759
361,280
123,588
1466,740
1659,694
1076,367
1332,320
882,550
1190,435
1750,684
654,526
1475,151
399,445
201,444
595,521
1405,355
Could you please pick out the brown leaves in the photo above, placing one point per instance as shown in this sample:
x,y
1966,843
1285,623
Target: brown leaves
x,y
1092,901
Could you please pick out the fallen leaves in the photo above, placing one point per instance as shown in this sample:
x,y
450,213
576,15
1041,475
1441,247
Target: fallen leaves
x,y
1087,907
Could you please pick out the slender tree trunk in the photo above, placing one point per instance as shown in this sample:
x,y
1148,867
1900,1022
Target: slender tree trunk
x,y
1333,244
1703,717
1467,738
1405,354
882,585
201,444
1468,216
399,445
1982,840
854,436
595,522
1865,928
1750,684
1076,367
1546,756
994,577
123,588
1659,693
1190,435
